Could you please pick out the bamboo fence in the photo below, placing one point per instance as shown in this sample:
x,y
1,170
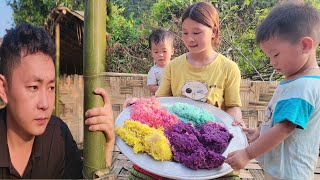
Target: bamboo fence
x,y
254,96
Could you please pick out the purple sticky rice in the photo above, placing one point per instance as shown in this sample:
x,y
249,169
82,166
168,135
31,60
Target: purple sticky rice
x,y
200,147
214,136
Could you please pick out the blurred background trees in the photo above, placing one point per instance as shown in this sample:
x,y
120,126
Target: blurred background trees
x,y
130,22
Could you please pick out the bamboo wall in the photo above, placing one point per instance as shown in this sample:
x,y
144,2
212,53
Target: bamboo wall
x,y
254,95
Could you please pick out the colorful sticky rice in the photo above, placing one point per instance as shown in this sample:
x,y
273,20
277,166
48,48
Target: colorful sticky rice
x,y
145,139
189,113
192,146
214,136
150,112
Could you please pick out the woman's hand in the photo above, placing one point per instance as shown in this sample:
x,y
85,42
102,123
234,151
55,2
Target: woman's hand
x,y
236,113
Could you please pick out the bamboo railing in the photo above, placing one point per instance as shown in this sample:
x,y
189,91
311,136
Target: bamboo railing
x,y
254,96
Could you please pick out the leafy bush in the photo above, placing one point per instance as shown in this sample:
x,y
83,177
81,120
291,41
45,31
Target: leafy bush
x,y
130,22
238,22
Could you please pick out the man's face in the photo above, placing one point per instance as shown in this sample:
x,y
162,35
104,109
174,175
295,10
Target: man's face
x,y
30,94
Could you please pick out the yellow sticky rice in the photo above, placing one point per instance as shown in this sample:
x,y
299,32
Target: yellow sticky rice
x,y
145,139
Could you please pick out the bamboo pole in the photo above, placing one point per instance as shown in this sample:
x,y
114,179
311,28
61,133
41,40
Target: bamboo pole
x,y
93,66
57,66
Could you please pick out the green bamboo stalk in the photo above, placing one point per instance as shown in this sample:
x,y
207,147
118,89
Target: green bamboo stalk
x,y
93,65
57,66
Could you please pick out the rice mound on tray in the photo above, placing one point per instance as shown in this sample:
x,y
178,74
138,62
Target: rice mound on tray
x,y
200,147
195,140
150,112
145,139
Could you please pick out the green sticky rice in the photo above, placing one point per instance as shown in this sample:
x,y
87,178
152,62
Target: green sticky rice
x,y
189,113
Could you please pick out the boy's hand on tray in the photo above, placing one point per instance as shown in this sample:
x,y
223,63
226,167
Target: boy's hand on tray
x,y
238,159
251,133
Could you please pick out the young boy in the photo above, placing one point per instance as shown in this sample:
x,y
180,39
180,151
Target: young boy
x,y
33,143
161,45
288,143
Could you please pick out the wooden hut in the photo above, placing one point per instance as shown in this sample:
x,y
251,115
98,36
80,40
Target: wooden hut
x,y
70,25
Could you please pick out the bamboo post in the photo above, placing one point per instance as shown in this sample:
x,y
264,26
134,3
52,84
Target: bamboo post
x,y
57,66
93,66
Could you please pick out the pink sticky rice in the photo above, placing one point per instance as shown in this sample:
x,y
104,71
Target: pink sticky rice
x,y
150,112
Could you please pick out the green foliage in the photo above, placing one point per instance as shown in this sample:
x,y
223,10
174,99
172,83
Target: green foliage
x,y
316,4
164,10
123,30
134,7
127,47
130,22
36,12
239,19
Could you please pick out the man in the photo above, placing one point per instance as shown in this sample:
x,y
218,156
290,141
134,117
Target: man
x,y
33,143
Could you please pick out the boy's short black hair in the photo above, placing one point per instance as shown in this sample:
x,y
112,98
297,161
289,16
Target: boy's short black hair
x,y
21,41
290,21
160,35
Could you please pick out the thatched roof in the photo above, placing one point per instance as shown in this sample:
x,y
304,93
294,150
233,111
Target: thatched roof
x,y
71,38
